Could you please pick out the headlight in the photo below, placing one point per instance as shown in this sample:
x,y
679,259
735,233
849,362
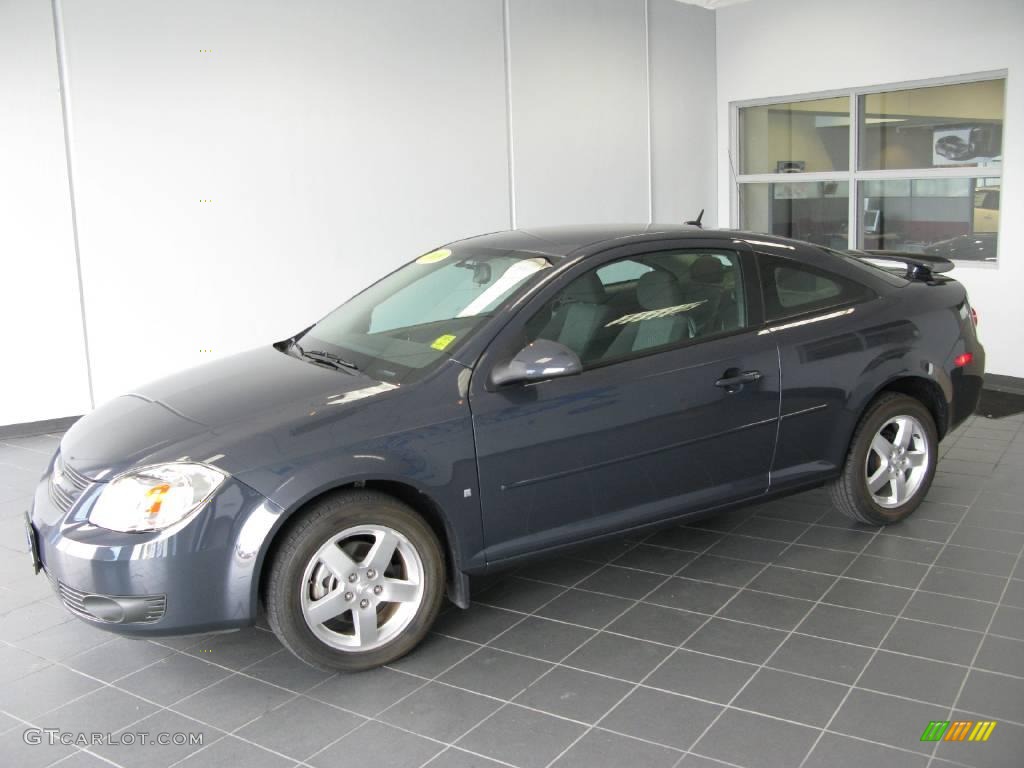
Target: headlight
x,y
153,498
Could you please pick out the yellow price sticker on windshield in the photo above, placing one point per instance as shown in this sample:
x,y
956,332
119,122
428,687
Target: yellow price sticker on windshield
x,y
434,256
442,342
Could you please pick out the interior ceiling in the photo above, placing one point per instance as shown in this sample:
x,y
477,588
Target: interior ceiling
x,y
713,4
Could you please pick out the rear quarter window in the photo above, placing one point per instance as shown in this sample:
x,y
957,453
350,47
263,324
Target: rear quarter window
x,y
793,288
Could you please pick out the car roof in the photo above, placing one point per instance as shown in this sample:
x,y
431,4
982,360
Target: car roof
x,y
583,240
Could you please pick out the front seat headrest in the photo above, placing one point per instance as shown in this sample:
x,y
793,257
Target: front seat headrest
x,y
658,290
708,270
586,289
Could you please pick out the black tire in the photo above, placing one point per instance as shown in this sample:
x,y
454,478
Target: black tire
x,y
849,492
329,517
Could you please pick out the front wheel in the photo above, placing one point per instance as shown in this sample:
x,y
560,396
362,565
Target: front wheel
x,y
891,462
356,582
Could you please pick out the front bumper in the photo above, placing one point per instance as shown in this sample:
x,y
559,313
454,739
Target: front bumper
x,y
195,578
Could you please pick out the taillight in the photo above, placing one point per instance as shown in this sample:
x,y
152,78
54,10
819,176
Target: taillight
x,y
974,316
961,360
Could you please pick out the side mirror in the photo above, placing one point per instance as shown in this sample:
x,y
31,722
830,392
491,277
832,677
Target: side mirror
x,y
538,361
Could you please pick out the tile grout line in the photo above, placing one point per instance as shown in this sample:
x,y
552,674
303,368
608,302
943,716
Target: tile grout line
x,y
233,672
805,599
596,568
170,707
595,632
436,677
962,523
729,704
885,535
308,692
977,651
164,707
881,642
971,668
768,666
658,666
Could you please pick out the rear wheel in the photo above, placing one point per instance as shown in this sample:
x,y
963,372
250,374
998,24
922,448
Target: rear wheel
x,y
356,582
891,462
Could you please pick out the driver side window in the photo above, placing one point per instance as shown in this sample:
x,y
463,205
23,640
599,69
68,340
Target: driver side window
x,y
633,306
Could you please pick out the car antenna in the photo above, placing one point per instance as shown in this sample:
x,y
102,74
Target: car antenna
x,y
696,222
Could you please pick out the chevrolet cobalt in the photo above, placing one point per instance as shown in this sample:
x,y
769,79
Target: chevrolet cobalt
x,y
497,399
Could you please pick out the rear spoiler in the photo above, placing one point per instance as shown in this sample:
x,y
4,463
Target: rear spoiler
x,y
919,266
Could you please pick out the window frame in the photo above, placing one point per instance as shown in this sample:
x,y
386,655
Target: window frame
x,y
854,176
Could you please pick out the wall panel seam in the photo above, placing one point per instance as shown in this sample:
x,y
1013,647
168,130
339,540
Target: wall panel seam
x,y
65,108
509,136
650,117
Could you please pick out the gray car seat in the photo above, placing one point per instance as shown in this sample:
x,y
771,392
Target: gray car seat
x,y
654,290
579,315
706,277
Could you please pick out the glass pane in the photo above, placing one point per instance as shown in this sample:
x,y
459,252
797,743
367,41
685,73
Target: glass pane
x,y
791,288
796,287
402,327
936,127
796,137
955,218
657,301
816,211
621,272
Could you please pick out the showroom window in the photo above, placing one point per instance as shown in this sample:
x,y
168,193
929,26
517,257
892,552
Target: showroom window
x,y
913,168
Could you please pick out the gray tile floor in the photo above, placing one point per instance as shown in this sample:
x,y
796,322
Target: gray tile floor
x,y
777,635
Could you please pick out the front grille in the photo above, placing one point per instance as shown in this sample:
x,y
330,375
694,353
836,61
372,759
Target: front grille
x,y
80,481
60,498
66,485
72,599
152,609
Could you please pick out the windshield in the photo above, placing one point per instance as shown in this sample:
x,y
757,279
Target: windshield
x,y
397,329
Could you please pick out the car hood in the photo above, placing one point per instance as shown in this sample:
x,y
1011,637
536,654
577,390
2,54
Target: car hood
x,y
235,413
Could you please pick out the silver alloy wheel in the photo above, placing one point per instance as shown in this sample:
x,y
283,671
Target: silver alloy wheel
x,y
362,588
897,461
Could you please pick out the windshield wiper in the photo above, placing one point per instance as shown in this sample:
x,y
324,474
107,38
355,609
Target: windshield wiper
x,y
328,358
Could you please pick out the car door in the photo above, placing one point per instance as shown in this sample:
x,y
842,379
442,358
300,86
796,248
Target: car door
x,y
675,410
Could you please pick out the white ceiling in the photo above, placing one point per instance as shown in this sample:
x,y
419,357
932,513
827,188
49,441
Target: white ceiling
x,y
713,4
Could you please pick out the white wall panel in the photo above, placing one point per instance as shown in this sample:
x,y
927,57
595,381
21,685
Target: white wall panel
x,y
579,111
43,373
792,47
682,45
243,167
335,141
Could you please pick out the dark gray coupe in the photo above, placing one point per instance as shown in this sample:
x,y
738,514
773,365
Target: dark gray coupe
x,y
497,399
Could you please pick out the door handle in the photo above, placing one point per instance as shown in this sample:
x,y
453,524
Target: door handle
x,y
734,379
